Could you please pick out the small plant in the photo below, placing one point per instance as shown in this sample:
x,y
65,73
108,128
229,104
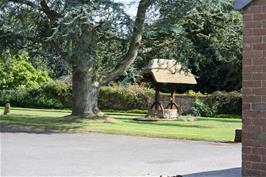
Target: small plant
x,y
195,111
193,93
201,108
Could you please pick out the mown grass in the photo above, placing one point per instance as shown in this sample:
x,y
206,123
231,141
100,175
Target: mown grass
x,y
210,129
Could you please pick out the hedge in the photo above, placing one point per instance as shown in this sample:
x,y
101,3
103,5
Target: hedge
x,y
58,95
125,97
51,95
227,102
117,97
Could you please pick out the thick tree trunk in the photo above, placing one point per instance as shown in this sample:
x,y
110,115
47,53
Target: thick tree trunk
x,y
85,94
84,77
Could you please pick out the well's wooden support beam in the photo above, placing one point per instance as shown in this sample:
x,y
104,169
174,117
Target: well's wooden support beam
x,y
157,96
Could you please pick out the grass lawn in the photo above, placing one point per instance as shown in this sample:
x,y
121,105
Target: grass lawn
x,y
211,129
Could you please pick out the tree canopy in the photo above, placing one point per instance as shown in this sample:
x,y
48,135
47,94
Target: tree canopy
x,y
97,41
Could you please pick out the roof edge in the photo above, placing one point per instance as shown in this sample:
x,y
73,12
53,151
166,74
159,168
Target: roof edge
x,y
241,4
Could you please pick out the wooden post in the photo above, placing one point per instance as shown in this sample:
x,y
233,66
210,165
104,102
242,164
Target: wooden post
x,y
157,96
238,135
173,95
7,108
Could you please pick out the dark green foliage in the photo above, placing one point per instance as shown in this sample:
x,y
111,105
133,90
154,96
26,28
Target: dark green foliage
x,y
118,97
227,102
202,108
58,95
49,95
219,103
125,97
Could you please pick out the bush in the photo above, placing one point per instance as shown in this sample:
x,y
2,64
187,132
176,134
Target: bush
x,y
227,102
125,97
202,108
56,94
51,95
16,71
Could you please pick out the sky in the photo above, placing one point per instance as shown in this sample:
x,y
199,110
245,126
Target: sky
x,y
125,1
132,9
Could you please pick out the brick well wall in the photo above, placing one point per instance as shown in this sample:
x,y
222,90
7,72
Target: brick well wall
x,y
254,90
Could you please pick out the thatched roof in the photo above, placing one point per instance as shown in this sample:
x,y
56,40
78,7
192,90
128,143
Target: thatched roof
x,y
167,71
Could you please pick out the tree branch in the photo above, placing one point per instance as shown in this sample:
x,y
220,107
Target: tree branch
x,y
108,35
51,14
132,52
157,47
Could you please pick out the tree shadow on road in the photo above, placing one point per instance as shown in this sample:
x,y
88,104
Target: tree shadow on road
x,y
232,172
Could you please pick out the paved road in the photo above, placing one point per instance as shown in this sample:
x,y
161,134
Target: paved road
x,y
90,154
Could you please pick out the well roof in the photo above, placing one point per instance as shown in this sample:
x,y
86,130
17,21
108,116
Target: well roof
x,y
167,71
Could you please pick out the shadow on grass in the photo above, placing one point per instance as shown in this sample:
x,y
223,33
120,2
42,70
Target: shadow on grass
x,y
232,172
33,124
40,109
170,124
125,114
226,120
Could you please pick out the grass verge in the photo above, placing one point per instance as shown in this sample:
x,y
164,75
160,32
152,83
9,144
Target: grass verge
x,y
210,129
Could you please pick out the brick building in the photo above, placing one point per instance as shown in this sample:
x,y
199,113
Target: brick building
x,y
254,87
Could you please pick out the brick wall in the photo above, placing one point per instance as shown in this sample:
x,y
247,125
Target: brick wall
x,y
254,90
186,102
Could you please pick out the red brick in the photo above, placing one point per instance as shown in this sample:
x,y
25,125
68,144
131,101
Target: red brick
x,y
259,62
252,84
247,62
257,68
246,91
253,24
259,77
258,31
254,90
248,17
246,106
258,54
259,16
249,99
252,9
259,91
259,46
253,39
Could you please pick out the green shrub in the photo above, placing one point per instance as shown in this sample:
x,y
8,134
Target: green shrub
x,y
227,102
202,108
53,94
56,94
125,97
193,93
18,97
16,71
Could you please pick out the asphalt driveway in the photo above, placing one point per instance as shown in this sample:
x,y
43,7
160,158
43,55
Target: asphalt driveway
x,y
91,154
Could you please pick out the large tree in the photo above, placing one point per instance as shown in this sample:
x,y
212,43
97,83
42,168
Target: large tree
x,y
75,30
